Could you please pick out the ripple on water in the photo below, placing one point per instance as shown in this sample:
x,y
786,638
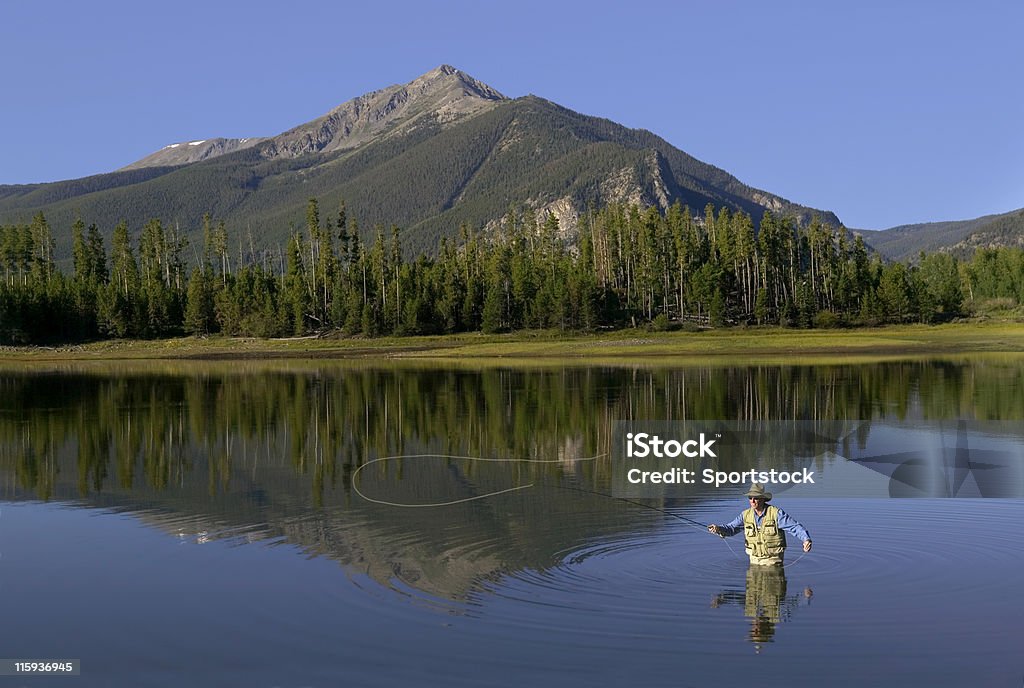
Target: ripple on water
x,y
609,578
878,560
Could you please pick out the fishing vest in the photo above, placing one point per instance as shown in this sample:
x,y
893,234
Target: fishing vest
x,y
768,540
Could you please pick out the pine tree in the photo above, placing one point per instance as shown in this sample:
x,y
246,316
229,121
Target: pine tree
x,y
42,267
119,313
199,309
894,292
295,292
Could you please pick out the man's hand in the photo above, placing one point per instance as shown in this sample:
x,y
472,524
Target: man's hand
x,y
807,545
714,529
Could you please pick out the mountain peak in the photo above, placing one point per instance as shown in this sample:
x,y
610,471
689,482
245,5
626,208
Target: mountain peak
x,y
446,76
440,72
442,95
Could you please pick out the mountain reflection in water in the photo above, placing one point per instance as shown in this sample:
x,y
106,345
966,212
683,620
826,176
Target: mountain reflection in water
x,y
266,452
195,523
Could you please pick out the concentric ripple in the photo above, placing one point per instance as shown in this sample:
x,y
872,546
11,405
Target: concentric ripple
x,y
870,565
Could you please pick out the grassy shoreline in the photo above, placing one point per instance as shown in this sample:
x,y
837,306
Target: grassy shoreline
x,y
752,343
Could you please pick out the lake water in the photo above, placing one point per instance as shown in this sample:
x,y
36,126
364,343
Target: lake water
x,y
231,524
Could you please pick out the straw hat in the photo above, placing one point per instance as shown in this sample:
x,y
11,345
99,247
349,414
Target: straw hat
x,y
757,490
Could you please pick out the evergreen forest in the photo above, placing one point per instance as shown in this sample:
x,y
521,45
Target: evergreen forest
x,y
625,267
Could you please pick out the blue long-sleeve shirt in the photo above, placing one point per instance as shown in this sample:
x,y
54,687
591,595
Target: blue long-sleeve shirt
x,y
785,521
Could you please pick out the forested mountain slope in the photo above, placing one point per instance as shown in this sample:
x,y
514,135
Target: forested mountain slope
x,y
428,156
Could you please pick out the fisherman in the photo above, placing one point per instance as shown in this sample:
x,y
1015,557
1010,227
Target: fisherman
x,y
763,529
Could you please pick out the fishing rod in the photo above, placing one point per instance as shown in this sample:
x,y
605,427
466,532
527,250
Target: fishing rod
x,y
631,501
703,526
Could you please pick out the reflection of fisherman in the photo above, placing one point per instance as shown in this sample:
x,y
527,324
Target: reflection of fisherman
x,y
764,529
764,601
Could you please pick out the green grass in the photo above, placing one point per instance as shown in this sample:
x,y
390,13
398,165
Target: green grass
x,y
624,346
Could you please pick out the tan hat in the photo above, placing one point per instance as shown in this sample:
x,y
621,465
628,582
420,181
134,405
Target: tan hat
x,y
757,490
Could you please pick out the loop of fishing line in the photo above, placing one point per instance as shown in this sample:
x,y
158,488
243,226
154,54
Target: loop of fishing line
x,y
359,492
355,487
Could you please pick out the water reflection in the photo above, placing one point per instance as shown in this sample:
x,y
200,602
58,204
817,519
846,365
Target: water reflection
x,y
250,452
765,602
524,585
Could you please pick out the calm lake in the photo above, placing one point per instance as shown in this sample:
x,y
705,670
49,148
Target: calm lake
x,y
231,524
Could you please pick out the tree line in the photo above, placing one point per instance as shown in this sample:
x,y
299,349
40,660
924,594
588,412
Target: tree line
x,y
626,266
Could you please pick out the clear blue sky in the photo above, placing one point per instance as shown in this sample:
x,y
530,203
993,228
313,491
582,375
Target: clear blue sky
x,y
884,112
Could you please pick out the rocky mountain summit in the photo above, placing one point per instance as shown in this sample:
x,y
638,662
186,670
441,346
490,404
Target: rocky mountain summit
x,y
441,95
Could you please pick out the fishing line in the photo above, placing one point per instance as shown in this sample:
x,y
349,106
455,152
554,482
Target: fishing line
x,y
355,486
689,521
359,492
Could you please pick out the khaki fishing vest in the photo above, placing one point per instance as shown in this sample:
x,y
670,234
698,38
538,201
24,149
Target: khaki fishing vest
x,y
766,541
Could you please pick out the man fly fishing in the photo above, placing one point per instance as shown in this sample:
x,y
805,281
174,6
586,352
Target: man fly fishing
x,y
764,529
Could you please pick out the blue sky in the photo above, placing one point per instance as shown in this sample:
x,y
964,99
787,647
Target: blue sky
x,y
886,113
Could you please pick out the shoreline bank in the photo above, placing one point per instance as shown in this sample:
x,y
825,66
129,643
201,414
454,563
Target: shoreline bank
x,y
753,343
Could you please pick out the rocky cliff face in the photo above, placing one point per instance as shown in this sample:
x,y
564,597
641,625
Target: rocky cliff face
x,y
441,96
